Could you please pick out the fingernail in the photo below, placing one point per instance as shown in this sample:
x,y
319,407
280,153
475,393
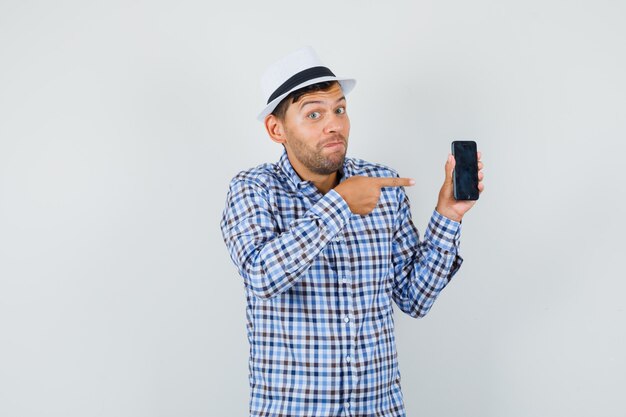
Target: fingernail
x,y
411,181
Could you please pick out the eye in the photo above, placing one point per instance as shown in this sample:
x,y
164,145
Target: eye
x,y
340,110
314,115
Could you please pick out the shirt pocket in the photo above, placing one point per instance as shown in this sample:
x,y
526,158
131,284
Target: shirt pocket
x,y
369,243
372,230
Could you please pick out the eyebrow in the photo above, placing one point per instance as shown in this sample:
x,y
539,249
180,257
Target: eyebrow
x,y
304,103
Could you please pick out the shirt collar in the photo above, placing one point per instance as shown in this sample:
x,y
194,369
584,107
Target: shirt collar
x,y
285,165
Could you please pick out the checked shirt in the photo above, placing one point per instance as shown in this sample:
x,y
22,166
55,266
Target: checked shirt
x,y
319,283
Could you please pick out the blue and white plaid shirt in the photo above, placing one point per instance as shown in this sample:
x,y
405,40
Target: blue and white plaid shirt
x,y
319,281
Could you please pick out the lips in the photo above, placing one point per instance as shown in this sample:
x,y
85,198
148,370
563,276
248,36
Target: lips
x,y
334,144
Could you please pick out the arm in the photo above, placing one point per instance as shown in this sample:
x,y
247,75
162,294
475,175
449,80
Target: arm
x,y
270,261
423,269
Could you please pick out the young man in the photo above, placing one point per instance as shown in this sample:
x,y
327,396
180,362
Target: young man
x,y
324,244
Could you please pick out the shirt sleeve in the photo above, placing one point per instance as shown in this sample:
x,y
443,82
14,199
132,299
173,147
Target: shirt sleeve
x,y
270,260
423,268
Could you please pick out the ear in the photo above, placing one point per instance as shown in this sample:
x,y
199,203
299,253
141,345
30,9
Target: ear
x,y
275,128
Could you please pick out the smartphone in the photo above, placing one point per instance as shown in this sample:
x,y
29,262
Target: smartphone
x,y
465,174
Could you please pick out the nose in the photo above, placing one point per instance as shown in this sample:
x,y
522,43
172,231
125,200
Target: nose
x,y
337,123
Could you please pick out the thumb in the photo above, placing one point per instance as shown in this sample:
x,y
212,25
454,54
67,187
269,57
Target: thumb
x,y
450,164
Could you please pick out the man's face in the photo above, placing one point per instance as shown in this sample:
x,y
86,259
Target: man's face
x,y
317,129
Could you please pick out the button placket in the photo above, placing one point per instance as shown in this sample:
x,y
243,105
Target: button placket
x,y
350,357
346,320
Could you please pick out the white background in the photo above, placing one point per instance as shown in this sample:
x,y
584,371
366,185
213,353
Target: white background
x,y
122,122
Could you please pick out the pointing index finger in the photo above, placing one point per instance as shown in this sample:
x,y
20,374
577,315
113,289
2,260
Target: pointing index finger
x,y
394,182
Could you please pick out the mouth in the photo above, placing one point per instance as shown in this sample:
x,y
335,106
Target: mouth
x,y
334,145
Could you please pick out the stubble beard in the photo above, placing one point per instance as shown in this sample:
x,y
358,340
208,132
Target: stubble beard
x,y
316,161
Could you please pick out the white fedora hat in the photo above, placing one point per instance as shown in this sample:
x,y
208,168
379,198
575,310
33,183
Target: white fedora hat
x,y
298,69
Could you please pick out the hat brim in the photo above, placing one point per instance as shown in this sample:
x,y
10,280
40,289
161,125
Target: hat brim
x,y
347,84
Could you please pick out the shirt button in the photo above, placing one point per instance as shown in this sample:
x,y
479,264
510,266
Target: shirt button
x,y
348,358
346,319
347,405
344,279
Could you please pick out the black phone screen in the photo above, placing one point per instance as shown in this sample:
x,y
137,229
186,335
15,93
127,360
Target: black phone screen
x,y
465,175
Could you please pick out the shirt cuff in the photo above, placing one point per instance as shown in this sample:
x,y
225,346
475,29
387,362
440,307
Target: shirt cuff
x,y
443,232
333,210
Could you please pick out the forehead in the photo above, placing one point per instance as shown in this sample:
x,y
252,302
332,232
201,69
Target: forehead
x,y
328,96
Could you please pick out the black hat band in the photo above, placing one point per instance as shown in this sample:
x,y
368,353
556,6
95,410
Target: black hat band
x,y
299,78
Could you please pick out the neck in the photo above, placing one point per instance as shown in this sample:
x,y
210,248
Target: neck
x,y
323,182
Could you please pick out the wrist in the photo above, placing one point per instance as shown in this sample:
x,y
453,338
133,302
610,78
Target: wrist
x,y
449,214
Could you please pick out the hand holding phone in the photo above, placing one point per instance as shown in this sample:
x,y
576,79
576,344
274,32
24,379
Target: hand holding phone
x,y
465,174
